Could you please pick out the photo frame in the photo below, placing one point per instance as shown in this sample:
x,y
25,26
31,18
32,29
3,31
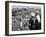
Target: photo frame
x,y
24,18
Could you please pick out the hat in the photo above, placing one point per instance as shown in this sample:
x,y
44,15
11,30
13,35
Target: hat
x,y
37,12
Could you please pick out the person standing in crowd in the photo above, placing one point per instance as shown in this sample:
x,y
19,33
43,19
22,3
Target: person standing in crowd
x,y
32,21
38,17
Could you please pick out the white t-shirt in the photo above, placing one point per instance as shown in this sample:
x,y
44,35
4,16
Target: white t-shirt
x,y
38,17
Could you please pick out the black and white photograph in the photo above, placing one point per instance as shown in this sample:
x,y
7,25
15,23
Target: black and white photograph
x,y
26,18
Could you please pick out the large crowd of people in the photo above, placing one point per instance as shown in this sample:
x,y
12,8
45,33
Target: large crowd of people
x,y
29,22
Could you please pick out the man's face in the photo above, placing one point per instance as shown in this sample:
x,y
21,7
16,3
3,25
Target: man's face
x,y
32,14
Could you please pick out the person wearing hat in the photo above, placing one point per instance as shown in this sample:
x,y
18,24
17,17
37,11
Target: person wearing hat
x,y
32,21
38,17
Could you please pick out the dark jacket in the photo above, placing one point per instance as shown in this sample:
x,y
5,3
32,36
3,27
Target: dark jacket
x,y
34,26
